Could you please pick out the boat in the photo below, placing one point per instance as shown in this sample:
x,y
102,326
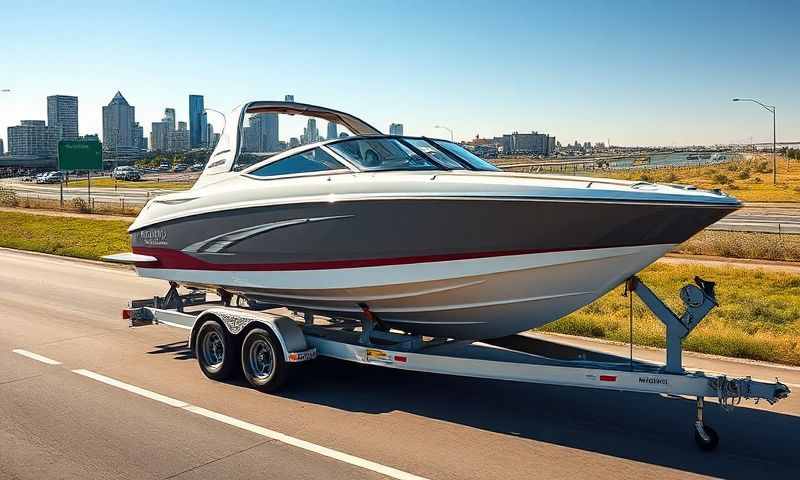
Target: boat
x,y
416,232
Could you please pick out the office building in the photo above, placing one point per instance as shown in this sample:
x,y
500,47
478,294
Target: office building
x,y
139,140
169,118
262,133
33,137
310,133
396,129
62,111
289,98
332,131
178,140
197,121
119,120
158,136
2,148
533,143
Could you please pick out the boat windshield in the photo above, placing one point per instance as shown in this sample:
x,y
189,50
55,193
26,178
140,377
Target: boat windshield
x,y
372,154
465,155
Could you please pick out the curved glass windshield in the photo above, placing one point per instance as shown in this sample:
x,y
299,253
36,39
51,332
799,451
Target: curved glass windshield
x,y
381,154
473,160
434,152
311,161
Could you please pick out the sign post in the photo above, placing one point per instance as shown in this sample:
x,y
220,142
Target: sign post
x,y
80,155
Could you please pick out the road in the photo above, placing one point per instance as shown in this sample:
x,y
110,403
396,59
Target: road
x,y
138,407
767,219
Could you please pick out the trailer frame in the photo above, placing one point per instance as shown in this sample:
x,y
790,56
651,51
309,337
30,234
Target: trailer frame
x,y
303,336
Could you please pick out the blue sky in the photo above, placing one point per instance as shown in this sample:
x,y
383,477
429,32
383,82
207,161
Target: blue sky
x,y
638,72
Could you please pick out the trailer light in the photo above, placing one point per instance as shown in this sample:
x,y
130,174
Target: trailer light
x,y
400,358
126,314
608,378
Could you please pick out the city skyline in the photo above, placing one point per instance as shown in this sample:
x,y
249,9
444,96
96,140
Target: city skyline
x,y
636,73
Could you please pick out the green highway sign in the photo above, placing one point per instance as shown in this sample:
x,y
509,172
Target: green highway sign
x,y
80,155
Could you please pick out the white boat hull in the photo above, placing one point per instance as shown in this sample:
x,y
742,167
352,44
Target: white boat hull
x,y
466,299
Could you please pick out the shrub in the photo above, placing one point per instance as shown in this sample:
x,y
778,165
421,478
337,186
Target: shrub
x,y
646,178
721,178
763,167
81,205
733,167
744,174
671,178
8,197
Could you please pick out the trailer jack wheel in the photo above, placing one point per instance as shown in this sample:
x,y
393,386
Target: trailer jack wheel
x,y
706,437
263,364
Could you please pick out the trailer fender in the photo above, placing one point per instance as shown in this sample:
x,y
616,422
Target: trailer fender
x,y
288,333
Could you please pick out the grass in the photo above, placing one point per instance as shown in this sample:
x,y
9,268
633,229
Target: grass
x,y
749,180
106,182
763,246
68,236
758,317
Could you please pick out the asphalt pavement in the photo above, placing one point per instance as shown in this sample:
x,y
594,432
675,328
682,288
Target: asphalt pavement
x,y
84,396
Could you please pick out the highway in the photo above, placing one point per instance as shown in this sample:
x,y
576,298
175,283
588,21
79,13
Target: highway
x,y
84,396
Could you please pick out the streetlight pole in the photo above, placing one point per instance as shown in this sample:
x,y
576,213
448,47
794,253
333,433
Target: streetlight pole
x,y
446,128
770,109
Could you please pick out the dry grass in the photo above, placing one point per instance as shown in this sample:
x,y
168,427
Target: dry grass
x,y
107,182
748,180
762,246
758,317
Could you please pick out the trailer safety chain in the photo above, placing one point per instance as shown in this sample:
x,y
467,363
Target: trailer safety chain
x,y
730,391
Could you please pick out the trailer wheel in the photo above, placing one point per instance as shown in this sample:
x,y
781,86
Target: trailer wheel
x,y
215,350
262,361
708,439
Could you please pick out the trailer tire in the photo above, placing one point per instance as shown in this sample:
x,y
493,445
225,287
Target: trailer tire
x,y
216,351
263,364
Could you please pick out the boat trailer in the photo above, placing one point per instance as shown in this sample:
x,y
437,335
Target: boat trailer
x,y
264,345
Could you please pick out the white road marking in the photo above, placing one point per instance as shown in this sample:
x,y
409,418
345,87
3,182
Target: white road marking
x,y
36,356
264,432
311,447
132,388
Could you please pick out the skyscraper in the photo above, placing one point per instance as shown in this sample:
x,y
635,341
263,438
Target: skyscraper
x,y
159,133
289,98
169,118
332,132
62,110
197,121
2,148
310,133
262,133
396,129
119,118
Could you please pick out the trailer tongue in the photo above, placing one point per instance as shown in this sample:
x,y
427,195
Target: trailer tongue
x,y
264,345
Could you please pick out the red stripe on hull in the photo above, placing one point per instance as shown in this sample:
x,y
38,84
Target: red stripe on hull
x,y
177,260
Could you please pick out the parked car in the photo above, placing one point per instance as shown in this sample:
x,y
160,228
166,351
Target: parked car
x,y
181,167
126,173
164,167
50,177
197,167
